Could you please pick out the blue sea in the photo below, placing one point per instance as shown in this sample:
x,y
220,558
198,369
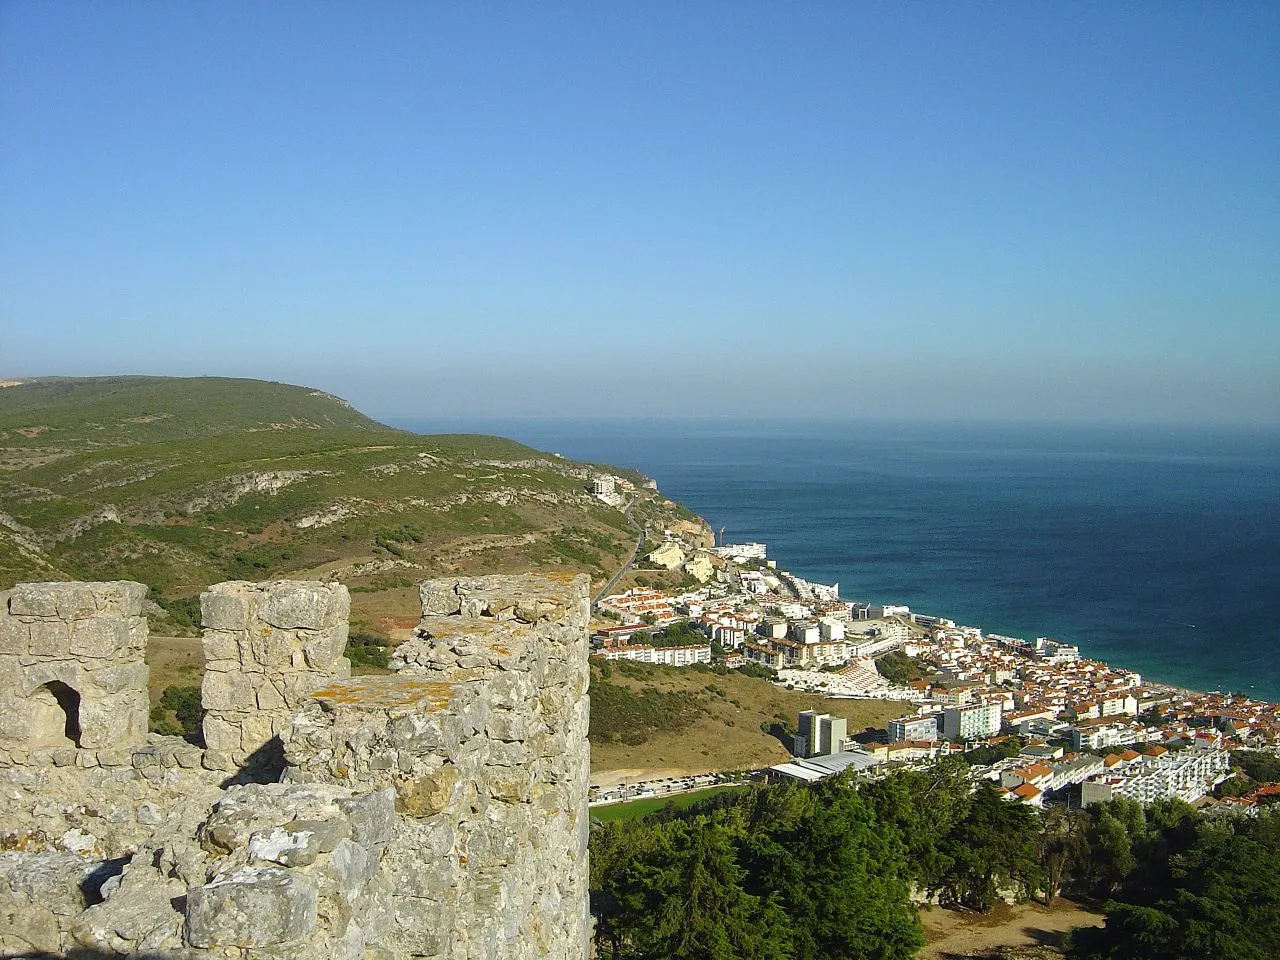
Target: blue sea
x,y
1153,548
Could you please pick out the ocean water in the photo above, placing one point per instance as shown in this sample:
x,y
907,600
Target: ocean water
x,y
1157,549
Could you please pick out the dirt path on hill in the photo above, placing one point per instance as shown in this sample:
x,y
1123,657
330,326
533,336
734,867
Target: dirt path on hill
x,y
955,933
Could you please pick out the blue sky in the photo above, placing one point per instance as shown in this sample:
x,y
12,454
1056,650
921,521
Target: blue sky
x,y
960,210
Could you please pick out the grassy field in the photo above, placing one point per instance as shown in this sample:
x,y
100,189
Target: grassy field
x,y
646,805
726,716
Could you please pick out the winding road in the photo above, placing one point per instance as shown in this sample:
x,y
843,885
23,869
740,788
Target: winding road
x,y
642,532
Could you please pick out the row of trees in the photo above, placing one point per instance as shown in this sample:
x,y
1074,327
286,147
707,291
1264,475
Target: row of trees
x,y
828,871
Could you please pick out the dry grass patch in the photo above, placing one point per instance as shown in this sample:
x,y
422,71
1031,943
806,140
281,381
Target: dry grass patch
x,y
174,662
727,732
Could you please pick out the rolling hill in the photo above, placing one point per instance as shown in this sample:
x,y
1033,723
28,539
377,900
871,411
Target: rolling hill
x,y
183,482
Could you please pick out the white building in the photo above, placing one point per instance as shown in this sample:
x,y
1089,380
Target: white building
x,y
740,552
820,734
888,610
773,627
1093,736
831,629
1054,651
1118,704
1187,775
914,728
681,656
974,721
806,632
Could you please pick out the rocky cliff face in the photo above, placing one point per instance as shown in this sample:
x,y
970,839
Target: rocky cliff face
x,y
438,812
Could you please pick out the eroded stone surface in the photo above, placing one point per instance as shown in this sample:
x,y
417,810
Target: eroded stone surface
x,y
481,735
438,813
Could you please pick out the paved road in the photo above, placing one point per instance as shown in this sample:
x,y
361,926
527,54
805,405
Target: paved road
x,y
641,534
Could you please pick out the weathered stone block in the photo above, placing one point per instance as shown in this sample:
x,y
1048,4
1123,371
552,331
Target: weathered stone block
x,y
99,637
221,645
439,598
296,687
114,757
221,734
75,601
252,907
272,648
116,721
417,734
372,816
297,843
34,600
323,648
507,754
257,729
304,604
50,638
12,674
188,758
227,606
511,786
119,598
119,678
139,918
217,759
351,865
269,697
428,794
14,718
14,635
138,635
65,757
228,691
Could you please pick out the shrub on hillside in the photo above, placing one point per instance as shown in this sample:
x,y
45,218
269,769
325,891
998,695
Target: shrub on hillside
x,y
619,713
366,649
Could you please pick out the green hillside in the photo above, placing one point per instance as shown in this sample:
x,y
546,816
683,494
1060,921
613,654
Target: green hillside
x,y
180,483
56,413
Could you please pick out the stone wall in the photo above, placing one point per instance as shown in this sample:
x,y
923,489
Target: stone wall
x,y
72,670
439,812
266,647
482,736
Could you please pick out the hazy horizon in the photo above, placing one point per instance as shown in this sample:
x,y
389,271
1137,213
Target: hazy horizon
x,y
973,212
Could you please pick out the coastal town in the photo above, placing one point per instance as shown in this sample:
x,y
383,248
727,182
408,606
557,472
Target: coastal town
x,y
1046,724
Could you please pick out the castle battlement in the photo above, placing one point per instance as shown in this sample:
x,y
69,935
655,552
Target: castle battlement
x,y
437,812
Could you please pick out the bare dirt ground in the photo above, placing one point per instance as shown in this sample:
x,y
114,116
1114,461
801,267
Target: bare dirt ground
x,y
954,934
